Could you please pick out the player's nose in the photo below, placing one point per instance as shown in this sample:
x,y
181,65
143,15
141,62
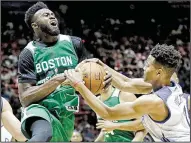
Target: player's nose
x,y
52,17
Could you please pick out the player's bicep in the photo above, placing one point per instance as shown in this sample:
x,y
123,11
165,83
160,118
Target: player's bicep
x,y
143,105
123,111
127,97
147,104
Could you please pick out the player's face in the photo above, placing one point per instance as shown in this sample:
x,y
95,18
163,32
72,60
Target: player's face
x,y
46,22
76,137
150,70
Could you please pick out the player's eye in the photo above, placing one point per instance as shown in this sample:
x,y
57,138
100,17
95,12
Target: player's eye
x,y
52,14
45,14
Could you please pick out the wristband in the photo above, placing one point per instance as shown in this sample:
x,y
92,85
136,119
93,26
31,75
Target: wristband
x,y
76,83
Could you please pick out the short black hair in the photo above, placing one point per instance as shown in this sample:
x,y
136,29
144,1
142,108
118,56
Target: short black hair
x,y
166,55
32,10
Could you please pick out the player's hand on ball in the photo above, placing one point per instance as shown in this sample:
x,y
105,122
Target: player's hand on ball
x,y
60,77
74,77
105,125
66,82
95,60
107,80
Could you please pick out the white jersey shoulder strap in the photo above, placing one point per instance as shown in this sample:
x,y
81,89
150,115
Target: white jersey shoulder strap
x,y
65,37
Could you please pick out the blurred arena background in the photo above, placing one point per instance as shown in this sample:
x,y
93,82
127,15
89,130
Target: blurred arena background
x,y
119,33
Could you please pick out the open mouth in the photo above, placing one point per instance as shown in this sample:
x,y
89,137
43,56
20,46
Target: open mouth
x,y
53,23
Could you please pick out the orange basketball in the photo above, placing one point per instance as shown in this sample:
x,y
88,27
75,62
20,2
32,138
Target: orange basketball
x,y
93,75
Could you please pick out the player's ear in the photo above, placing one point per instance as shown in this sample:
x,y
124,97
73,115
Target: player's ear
x,y
34,25
159,71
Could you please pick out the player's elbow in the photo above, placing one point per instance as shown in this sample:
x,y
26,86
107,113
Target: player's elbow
x,y
23,99
138,126
19,136
109,115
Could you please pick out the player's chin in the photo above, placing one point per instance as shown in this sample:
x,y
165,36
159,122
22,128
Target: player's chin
x,y
54,31
145,78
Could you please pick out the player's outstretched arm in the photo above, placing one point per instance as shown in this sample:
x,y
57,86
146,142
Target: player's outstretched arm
x,y
134,125
129,110
100,137
133,85
29,94
10,122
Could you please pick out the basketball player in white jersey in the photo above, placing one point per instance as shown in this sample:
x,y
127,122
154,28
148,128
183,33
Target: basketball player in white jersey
x,y
108,125
164,111
10,125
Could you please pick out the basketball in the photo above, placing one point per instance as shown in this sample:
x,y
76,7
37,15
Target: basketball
x,y
93,76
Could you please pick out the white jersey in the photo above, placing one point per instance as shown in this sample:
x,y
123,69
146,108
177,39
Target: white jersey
x,y
5,135
176,127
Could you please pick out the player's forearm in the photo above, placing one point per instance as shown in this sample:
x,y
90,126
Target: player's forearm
x,y
130,126
13,125
137,86
134,85
119,76
108,113
139,136
36,93
117,82
100,108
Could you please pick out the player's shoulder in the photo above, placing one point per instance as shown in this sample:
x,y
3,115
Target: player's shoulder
x,y
76,39
29,48
73,39
164,93
127,96
27,51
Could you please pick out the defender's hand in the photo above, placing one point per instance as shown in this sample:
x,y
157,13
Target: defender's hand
x,y
106,125
95,60
107,80
74,77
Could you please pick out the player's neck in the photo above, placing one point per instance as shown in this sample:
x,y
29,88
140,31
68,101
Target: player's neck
x,y
161,84
49,39
105,95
